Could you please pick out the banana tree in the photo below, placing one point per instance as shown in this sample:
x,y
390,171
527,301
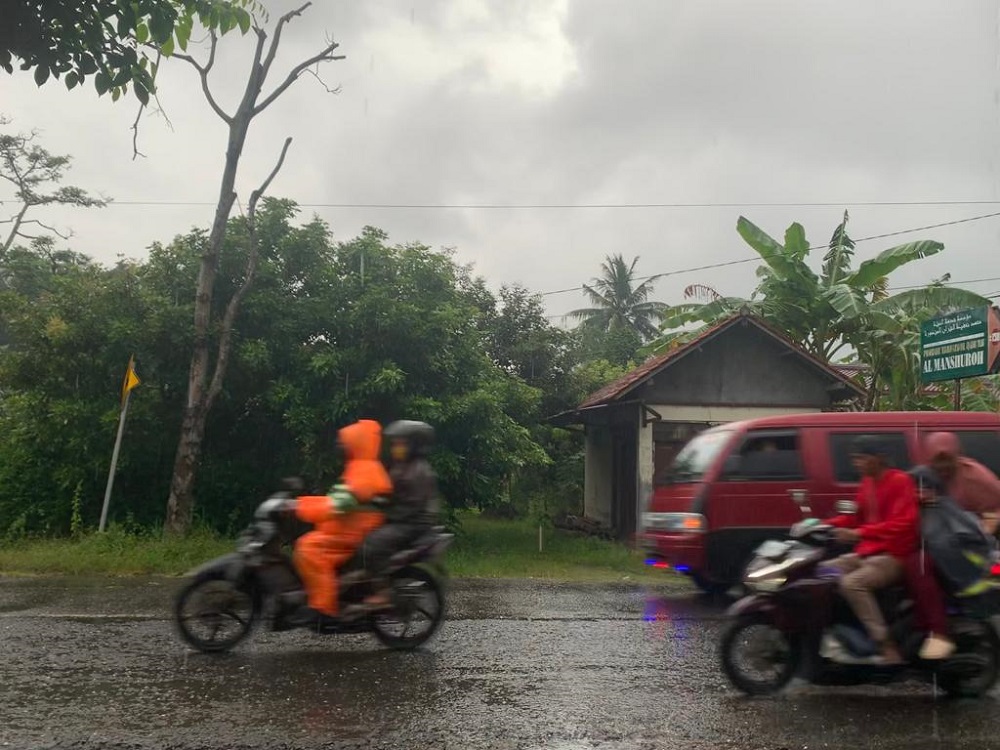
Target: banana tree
x,y
888,342
827,313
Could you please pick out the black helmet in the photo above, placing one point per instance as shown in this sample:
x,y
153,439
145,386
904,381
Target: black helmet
x,y
419,436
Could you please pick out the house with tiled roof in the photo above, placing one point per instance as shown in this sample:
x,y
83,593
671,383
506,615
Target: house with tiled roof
x,y
739,369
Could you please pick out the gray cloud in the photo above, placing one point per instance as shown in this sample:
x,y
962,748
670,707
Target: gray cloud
x,y
559,102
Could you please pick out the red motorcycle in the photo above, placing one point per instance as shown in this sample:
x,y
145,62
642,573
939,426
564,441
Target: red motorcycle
x,y
795,623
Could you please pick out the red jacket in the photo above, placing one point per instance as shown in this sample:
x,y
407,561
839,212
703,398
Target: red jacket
x,y
888,517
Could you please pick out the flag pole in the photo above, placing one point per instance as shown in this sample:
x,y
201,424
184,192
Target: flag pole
x,y
131,381
114,462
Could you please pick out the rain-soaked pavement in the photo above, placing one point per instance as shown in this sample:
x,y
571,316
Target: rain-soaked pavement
x,y
95,664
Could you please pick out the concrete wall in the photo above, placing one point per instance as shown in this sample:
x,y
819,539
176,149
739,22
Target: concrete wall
x,y
597,475
644,465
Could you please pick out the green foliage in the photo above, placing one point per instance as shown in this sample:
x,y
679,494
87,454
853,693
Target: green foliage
x,y
483,549
117,42
619,302
118,551
836,311
329,333
76,517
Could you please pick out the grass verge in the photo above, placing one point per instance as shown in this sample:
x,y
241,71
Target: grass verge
x,y
483,549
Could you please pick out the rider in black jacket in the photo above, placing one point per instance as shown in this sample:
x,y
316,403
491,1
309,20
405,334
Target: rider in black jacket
x,y
413,509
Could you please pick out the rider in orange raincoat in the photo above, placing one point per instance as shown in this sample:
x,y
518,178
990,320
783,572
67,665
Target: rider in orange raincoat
x,y
341,519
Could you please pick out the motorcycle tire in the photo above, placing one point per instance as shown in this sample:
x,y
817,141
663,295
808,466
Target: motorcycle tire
x,y
985,644
212,646
411,578
740,680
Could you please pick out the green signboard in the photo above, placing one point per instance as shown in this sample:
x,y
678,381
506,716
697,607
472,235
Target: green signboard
x,y
957,345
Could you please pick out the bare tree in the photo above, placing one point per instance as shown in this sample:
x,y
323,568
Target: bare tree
x,y
36,176
204,385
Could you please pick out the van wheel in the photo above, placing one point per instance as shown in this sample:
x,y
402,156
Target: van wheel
x,y
710,587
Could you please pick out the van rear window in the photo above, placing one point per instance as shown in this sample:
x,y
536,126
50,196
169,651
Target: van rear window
x,y
841,445
983,446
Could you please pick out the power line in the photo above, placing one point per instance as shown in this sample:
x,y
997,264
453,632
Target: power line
x,y
994,295
948,283
759,257
571,206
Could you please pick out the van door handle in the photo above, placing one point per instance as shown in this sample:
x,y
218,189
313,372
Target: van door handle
x,y
801,498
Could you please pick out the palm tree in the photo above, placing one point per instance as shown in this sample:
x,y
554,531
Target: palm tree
x,y
831,313
618,303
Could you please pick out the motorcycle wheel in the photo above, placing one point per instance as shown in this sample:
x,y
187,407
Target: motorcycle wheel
x,y
417,613
984,645
213,615
758,658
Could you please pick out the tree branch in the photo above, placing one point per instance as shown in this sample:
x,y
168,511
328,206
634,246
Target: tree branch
x,y
315,74
232,309
54,231
273,49
203,71
135,134
324,56
15,230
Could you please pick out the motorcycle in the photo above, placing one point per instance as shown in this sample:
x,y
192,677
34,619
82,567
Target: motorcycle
x,y
794,623
224,599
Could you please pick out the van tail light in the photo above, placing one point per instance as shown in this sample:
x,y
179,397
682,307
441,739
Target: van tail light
x,y
995,569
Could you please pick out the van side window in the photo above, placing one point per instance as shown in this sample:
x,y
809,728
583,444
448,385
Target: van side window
x,y
982,446
767,456
841,445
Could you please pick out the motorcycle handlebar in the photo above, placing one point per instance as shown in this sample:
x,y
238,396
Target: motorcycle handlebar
x,y
812,531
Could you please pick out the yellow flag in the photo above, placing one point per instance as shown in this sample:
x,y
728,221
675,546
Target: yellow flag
x,y
131,379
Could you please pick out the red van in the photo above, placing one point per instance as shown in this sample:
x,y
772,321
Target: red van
x,y
739,484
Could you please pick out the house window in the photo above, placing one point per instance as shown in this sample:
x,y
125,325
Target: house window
x,y
842,444
766,456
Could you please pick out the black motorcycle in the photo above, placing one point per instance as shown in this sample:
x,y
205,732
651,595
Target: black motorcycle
x,y
795,623
224,599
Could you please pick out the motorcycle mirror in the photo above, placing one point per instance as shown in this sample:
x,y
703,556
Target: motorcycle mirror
x,y
846,507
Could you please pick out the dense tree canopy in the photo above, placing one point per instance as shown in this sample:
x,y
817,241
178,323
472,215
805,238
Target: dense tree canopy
x,y
332,332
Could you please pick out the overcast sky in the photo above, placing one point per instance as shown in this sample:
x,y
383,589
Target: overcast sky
x,y
578,102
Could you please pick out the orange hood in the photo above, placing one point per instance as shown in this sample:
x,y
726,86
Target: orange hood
x,y
364,474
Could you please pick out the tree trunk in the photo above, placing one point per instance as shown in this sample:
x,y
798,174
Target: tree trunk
x,y
201,394
872,398
180,502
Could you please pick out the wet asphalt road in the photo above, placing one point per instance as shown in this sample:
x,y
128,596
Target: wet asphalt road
x,y
95,664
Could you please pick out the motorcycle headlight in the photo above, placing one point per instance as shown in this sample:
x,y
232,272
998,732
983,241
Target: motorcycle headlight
x,y
769,577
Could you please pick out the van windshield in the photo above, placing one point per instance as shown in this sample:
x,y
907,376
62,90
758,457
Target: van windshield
x,y
696,457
